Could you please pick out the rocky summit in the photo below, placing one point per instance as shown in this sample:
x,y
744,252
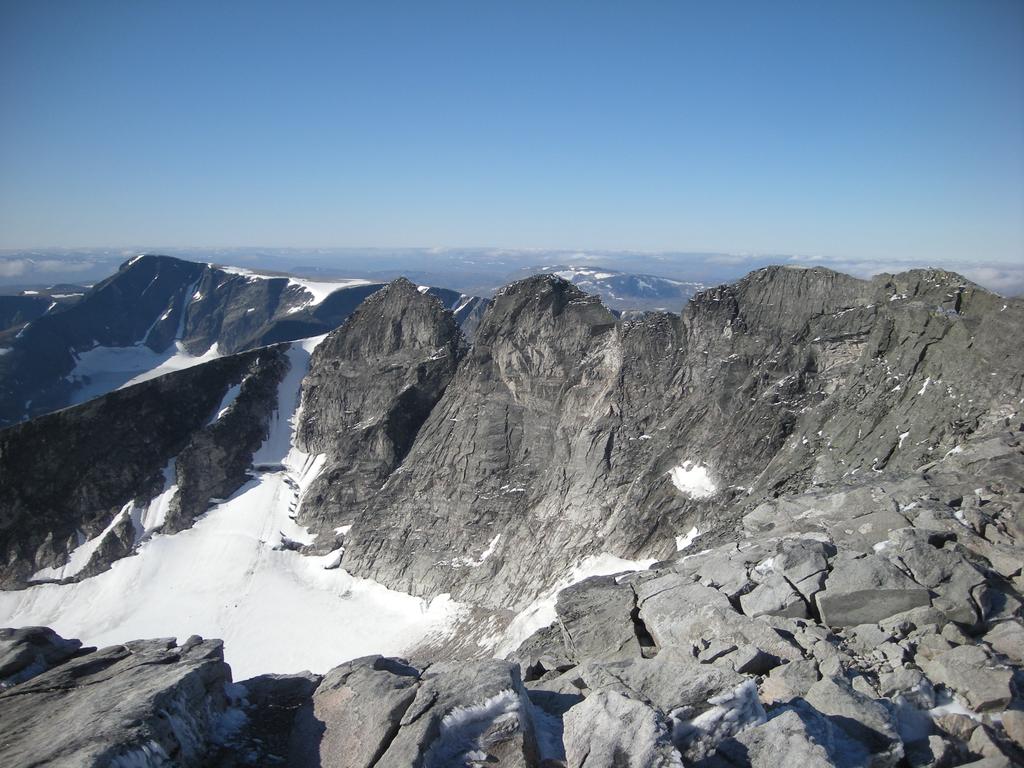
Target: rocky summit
x,y
785,524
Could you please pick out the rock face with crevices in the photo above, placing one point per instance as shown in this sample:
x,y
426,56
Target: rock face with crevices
x,y
827,475
371,385
566,433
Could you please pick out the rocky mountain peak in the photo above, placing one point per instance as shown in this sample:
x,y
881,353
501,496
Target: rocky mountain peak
x,y
396,319
144,261
781,298
535,323
544,291
371,385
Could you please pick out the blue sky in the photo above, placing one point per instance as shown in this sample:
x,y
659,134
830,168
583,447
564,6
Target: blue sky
x,y
875,130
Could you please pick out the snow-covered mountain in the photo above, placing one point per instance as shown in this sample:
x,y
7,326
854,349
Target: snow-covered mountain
x,y
786,522
159,314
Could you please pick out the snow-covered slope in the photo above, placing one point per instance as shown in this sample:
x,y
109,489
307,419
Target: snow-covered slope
x,y
229,577
103,369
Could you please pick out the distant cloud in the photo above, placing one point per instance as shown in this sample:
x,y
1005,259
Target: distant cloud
x,y
20,267
13,267
1006,280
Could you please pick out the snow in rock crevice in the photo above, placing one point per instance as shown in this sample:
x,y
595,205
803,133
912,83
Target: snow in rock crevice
x,y
682,542
460,739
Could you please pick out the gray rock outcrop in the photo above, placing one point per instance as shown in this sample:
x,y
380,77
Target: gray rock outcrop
x,y
371,385
151,703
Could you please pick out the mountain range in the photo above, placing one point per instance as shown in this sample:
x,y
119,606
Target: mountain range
x,y
782,523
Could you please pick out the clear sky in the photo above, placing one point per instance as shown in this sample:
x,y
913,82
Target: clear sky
x,y
889,129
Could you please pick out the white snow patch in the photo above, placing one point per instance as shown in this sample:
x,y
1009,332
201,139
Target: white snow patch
x,y
469,562
947,704
228,400
730,713
490,549
103,369
276,610
151,518
692,479
924,386
682,542
459,739
463,302
765,567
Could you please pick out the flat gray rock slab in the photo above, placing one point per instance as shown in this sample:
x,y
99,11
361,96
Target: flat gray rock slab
x,y
355,713
595,619
863,719
669,681
867,590
784,740
974,674
690,616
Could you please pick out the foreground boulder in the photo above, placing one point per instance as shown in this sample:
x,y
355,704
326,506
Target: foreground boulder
x,y
867,589
975,675
149,702
382,712
609,730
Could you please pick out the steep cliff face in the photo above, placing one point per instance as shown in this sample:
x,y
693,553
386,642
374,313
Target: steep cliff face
x,y
98,478
372,383
566,434
496,447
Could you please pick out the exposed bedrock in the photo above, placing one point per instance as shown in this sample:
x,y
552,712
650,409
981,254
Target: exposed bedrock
x,y
566,433
371,385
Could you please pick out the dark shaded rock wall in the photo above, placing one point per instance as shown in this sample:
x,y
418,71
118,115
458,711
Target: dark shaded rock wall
x,y
64,476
